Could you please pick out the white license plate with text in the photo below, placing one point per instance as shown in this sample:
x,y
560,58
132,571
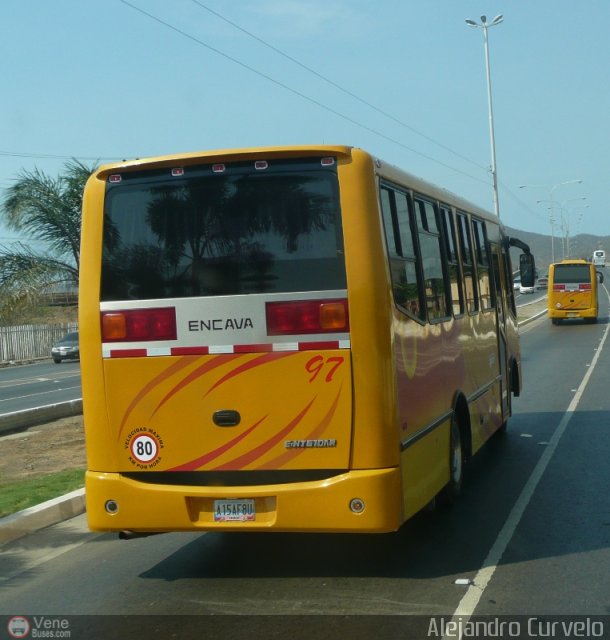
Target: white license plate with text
x,y
235,510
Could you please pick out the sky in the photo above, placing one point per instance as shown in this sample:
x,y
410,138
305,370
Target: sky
x,y
404,80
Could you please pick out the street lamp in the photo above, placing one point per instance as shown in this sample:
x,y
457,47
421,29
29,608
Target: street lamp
x,y
551,192
568,224
565,222
494,174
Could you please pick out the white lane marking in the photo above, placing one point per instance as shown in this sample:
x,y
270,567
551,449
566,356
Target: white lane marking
x,y
41,393
473,595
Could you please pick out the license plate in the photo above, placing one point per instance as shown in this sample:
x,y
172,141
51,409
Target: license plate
x,y
242,510
571,314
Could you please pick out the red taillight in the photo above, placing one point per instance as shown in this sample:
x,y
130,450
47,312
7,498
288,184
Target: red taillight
x,y
559,287
139,325
584,286
297,317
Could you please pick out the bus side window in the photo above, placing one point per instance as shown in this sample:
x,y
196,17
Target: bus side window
x,y
470,286
482,255
437,298
453,260
401,251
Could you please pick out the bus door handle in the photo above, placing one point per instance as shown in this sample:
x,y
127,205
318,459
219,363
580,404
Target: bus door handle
x,y
226,418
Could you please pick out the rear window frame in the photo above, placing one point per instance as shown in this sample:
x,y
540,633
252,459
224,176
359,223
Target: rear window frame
x,y
325,221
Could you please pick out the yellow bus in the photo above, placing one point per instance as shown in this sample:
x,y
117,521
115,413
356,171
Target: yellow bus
x,y
573,291
287,338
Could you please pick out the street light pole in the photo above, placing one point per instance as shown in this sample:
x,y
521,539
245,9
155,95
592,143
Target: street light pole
x,y
565,222
551,192
494,174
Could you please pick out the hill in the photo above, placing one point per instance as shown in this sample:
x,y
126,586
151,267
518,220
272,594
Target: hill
x,y
580,246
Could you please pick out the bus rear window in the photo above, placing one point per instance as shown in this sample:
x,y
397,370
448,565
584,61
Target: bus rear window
x,y
571,274
207,233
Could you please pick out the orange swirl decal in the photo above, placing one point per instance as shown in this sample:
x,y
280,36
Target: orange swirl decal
x,y
256,362
247,458
170,371
289,455
208,457
197,373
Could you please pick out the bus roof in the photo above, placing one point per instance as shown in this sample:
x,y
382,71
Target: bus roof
x,y
573,261
383,169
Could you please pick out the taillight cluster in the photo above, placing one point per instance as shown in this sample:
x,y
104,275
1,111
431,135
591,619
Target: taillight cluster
x,y
583,286
293,317
296,317
135,325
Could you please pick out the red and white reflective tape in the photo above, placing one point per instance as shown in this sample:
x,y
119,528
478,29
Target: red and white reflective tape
x,y
146,352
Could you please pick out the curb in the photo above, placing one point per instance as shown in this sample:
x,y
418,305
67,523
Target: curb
x,y
53,511
18,420
532,318
22,523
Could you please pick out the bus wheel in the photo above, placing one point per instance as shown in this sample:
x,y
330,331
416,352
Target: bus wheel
x,y
453,488
555,320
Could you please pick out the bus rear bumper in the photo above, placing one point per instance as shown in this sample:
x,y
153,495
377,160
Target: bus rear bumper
x,y
355,501
566,314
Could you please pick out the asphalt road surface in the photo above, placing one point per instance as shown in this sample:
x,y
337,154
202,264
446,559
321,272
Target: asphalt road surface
x,y
37,385
530,537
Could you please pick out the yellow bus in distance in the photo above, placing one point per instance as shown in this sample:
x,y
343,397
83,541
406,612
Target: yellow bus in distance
x,y
287,338
572,291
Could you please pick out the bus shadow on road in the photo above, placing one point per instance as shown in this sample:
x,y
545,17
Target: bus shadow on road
x,y
445,542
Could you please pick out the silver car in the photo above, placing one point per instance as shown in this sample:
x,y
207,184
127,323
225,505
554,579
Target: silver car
x,y
66,349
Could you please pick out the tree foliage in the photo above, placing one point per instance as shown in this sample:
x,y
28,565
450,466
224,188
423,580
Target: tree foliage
x,y
47,211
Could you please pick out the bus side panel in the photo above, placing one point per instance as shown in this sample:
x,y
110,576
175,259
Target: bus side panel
x,y
424,354
459,355
486,385
375,441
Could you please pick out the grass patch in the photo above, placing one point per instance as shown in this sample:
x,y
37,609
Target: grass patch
x,y
15,496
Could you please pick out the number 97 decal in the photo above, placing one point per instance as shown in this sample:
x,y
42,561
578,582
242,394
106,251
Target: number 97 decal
x,y
321,365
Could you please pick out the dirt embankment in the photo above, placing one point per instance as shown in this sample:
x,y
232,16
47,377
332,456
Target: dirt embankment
x,y
44,449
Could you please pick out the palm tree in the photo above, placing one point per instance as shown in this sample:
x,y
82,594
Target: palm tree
x,y
46,210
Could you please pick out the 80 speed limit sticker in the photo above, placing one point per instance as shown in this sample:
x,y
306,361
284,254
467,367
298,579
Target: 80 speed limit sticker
x,y
144,447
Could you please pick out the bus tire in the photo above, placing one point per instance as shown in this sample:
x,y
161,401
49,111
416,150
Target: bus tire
x,y
452,490
555,320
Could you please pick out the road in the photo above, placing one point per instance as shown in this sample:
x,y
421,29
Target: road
x,y
530,537
36,385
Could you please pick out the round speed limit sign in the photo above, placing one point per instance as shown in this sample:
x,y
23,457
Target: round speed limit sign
x,y
144,448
